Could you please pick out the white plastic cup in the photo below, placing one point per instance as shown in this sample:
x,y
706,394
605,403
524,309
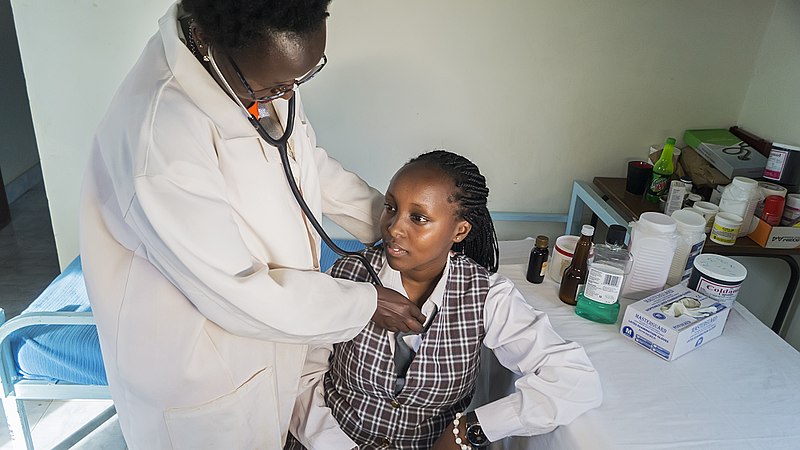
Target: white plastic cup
x,y
562,256
708,210
726,228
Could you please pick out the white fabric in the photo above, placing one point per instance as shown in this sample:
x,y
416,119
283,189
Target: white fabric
x,y
201,270
740,391
557,382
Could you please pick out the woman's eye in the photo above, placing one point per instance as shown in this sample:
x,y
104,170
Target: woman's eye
x,y
418,218
388,207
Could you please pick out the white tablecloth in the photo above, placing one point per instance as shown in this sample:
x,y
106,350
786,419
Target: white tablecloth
x,y
739,391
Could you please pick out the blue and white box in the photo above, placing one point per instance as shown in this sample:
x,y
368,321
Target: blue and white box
x,y
674,322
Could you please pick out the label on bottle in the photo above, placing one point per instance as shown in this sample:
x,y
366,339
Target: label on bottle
x,y
544,269
659,184
603,286
693,252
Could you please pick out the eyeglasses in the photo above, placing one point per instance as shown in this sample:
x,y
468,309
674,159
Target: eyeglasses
x,y
280,90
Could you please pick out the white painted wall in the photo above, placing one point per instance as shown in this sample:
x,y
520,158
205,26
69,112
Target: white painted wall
x,y
18,144
772,105
75,53
536,92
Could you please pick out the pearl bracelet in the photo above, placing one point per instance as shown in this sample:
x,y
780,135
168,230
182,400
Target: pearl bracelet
x,y
459,441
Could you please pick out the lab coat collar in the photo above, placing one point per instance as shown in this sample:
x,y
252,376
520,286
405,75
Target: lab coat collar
x,y
201,87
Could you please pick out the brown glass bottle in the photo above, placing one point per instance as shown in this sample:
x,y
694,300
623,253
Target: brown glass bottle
x,y
576,272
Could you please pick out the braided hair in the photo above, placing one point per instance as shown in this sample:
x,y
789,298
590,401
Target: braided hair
x,y
237,24
471,195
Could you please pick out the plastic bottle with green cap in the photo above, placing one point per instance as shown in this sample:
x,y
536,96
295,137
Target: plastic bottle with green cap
x,y
662,170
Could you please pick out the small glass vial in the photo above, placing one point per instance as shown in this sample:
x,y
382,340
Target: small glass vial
x,y
537,266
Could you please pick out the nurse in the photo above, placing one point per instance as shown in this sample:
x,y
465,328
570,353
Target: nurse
x,y
201,269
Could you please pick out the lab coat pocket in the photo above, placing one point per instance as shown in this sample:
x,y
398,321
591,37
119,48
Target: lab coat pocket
x,y
247,418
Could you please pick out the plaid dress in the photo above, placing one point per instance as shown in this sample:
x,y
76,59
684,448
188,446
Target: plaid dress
x,y
359,388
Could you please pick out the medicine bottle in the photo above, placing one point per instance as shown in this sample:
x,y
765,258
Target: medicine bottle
x,y
576,272
598,301
537,265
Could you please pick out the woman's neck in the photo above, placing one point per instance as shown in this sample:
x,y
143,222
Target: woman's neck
x,y
419,289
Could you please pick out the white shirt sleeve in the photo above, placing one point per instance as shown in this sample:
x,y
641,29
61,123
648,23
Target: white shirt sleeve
x,y
312,422
558,381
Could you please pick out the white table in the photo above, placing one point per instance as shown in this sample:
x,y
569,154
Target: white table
x,y
739,391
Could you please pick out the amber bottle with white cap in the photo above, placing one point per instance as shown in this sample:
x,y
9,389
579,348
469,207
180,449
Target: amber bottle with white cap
x,y
576,272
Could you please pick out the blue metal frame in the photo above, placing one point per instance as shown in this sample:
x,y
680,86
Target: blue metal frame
x,y
16,389
584,194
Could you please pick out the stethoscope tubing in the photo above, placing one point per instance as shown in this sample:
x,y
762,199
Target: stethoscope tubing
x,y
281,144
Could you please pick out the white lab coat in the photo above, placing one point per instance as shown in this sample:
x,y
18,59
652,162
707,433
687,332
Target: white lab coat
x,y
200,268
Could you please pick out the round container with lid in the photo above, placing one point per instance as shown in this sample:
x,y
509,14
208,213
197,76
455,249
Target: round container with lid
x,y
691,238
726,228
740,198
773,210
691,199
708,210
562,256
652,245
717,277
766,189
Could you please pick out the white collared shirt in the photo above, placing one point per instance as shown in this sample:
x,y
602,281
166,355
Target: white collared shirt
x,y
557,384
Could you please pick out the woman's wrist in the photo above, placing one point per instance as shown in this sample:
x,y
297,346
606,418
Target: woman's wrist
x,y
460,441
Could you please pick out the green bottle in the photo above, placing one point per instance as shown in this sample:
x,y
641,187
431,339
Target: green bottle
x,y
662,170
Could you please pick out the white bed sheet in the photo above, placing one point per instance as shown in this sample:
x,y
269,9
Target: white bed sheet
x,y
740,391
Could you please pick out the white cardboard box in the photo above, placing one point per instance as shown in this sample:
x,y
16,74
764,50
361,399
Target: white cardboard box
x,y
649,322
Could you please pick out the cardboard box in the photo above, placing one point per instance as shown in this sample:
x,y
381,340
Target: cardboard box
x,y
727,153
768,236
651,323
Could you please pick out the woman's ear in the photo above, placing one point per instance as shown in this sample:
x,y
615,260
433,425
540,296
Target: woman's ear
x,y
199,39
462,230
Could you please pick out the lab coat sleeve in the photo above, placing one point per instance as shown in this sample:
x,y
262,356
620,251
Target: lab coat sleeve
x,y
346,199
187,229
312,422
558,381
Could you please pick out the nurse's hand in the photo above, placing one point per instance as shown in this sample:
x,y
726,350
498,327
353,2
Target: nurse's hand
x,y
397,313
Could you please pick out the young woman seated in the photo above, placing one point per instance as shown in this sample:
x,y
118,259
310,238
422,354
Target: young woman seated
x,y
389,390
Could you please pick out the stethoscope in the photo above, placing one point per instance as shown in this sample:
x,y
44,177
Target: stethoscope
x,y
282,145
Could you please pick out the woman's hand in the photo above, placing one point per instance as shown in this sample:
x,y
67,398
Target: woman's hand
x,y
447,441
397,313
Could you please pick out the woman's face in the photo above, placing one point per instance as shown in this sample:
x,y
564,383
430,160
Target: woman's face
x,y
419,224
271,67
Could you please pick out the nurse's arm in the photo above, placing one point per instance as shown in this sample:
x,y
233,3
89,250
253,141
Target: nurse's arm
x,y
190,236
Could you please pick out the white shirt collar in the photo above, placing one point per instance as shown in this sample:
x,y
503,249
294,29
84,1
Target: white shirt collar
x,y
393,279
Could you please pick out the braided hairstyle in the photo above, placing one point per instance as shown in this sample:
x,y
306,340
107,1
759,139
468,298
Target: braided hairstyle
x,y
238,24
471,195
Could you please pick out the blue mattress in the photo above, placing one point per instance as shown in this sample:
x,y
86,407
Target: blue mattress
x,y
71,353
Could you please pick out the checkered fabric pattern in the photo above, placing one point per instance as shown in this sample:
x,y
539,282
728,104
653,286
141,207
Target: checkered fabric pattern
x,y
359,388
